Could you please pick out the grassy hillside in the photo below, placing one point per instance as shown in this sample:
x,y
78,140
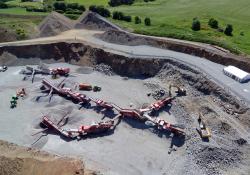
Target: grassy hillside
x,y
18,28
173,18
20,11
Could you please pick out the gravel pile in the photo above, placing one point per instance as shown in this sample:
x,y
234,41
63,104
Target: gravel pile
x,y
105,69
90,20
54,24
157,91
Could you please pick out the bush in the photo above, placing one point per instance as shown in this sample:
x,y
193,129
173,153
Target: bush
x,y
48,8
229,29
93,8
71,11
114,3
20,34
59,11
121,16
73,5
196,25
137,20
82,8
127,18
118,15
3,5
147,21
213,23
103,11
33,9
60,6
100,10
72,16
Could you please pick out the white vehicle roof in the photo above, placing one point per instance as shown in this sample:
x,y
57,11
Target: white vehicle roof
x,y
236,72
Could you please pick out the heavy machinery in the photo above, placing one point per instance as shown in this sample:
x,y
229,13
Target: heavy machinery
x,y
203,130
13,101
102,103
3,68
180,91
88,87
138,114
85,87
31,71
94,128
156,106
97,88
83,130
131,113
65,92
164,125
60,71
21,92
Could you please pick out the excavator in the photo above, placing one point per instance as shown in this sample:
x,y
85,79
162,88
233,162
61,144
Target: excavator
x,y
59,71
180,91
203,130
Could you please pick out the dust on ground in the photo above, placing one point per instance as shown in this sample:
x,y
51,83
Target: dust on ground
x,y
17,160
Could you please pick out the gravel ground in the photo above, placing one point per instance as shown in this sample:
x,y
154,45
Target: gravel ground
x,y
132,148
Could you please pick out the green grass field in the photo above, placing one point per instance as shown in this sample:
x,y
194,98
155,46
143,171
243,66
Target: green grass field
x,y
18,3
20,11
87,3
173,18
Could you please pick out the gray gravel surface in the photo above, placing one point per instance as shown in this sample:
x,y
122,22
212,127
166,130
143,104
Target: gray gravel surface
x,y
132,148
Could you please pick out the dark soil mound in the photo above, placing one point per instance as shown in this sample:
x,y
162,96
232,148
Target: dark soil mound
x,y
90,20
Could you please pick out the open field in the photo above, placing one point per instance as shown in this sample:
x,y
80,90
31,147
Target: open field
x,y
173,18
18,3
20,11
18,27
87,3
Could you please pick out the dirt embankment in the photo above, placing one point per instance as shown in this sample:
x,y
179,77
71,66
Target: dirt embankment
x,y
7,35
17,160
211,53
